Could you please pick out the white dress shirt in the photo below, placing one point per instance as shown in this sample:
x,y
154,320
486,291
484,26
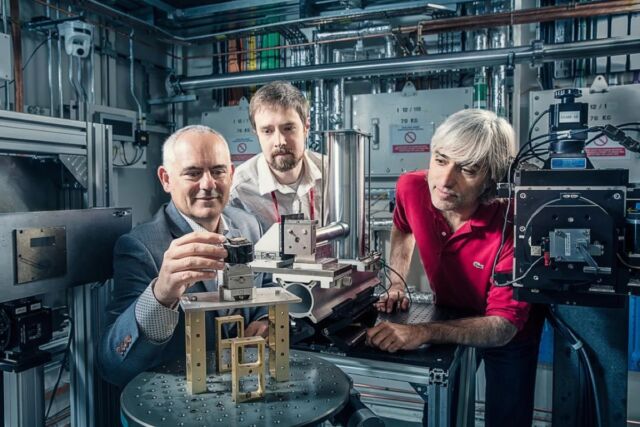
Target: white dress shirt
x,y
254,188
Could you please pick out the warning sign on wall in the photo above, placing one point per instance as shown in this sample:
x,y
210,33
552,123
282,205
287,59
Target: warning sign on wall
x,y
409,139
604,147
243,148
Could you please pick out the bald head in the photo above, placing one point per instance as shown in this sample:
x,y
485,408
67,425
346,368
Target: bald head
x,y
197,172
186,134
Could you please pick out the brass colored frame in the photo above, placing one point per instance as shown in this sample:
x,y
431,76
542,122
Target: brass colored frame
x,y
240,369
225,344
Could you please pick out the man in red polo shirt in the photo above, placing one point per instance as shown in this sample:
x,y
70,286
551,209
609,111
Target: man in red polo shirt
x,y
451,214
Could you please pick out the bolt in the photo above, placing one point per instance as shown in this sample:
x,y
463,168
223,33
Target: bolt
x,y
616,196
523,195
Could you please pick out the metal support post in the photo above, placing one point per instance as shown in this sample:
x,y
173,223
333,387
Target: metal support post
x,y
279,342
24,397
196,346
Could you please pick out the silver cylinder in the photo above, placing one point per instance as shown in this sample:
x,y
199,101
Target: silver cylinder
x,y
346,149
335,230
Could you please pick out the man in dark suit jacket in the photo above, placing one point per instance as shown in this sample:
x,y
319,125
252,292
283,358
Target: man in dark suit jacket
x,y
177,252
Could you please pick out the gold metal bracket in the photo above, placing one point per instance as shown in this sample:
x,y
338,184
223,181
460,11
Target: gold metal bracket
x,y
222,345
196,347
239,369
279,342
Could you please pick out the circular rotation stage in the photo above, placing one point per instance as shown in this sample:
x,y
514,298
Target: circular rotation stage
x,y
316,390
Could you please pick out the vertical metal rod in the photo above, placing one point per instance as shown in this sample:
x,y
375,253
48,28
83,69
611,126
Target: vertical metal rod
x,y
131,75
50,59
83,92
369,191
5,29
70,78
92,77
59,50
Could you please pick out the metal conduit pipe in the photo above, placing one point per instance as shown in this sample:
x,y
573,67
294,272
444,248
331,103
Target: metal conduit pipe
x,y
5,29
318,101
59,58
353,33
419,64
337,97
131,76
390,52
49,60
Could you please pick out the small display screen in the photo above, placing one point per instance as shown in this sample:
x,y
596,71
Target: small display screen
x,y
569,163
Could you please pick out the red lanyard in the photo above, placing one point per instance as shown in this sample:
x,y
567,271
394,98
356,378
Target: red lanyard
x,y
312,209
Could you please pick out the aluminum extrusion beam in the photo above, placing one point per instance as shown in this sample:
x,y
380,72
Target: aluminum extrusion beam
x,y
419,64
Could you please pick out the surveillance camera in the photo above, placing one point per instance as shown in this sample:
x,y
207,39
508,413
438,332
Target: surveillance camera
x,y
78,38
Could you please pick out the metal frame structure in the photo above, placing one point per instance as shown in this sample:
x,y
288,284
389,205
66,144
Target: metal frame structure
x,y
86,146
240,369
378,383
195,306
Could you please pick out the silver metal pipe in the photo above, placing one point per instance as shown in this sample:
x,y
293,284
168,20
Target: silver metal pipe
x,y
390,52
5,30
353,33
346,150
50,59
72,81
499,75
333,231
59,55
92,77
337,97
381,224
80,78
420,64
131,75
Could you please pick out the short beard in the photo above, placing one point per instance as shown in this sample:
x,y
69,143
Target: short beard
x,y
284,163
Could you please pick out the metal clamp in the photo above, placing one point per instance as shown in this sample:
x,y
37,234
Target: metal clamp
x,y
537,52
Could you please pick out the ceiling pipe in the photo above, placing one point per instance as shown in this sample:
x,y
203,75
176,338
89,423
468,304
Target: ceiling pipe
x,y
535,53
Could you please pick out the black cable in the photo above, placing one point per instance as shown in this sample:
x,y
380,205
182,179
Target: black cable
x,y
577,345
28,60
535,122
406,287
386,288
62,363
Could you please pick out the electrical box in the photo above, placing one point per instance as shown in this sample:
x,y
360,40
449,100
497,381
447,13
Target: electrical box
x,y
618,105
6,65
129,143
233,122
402,124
